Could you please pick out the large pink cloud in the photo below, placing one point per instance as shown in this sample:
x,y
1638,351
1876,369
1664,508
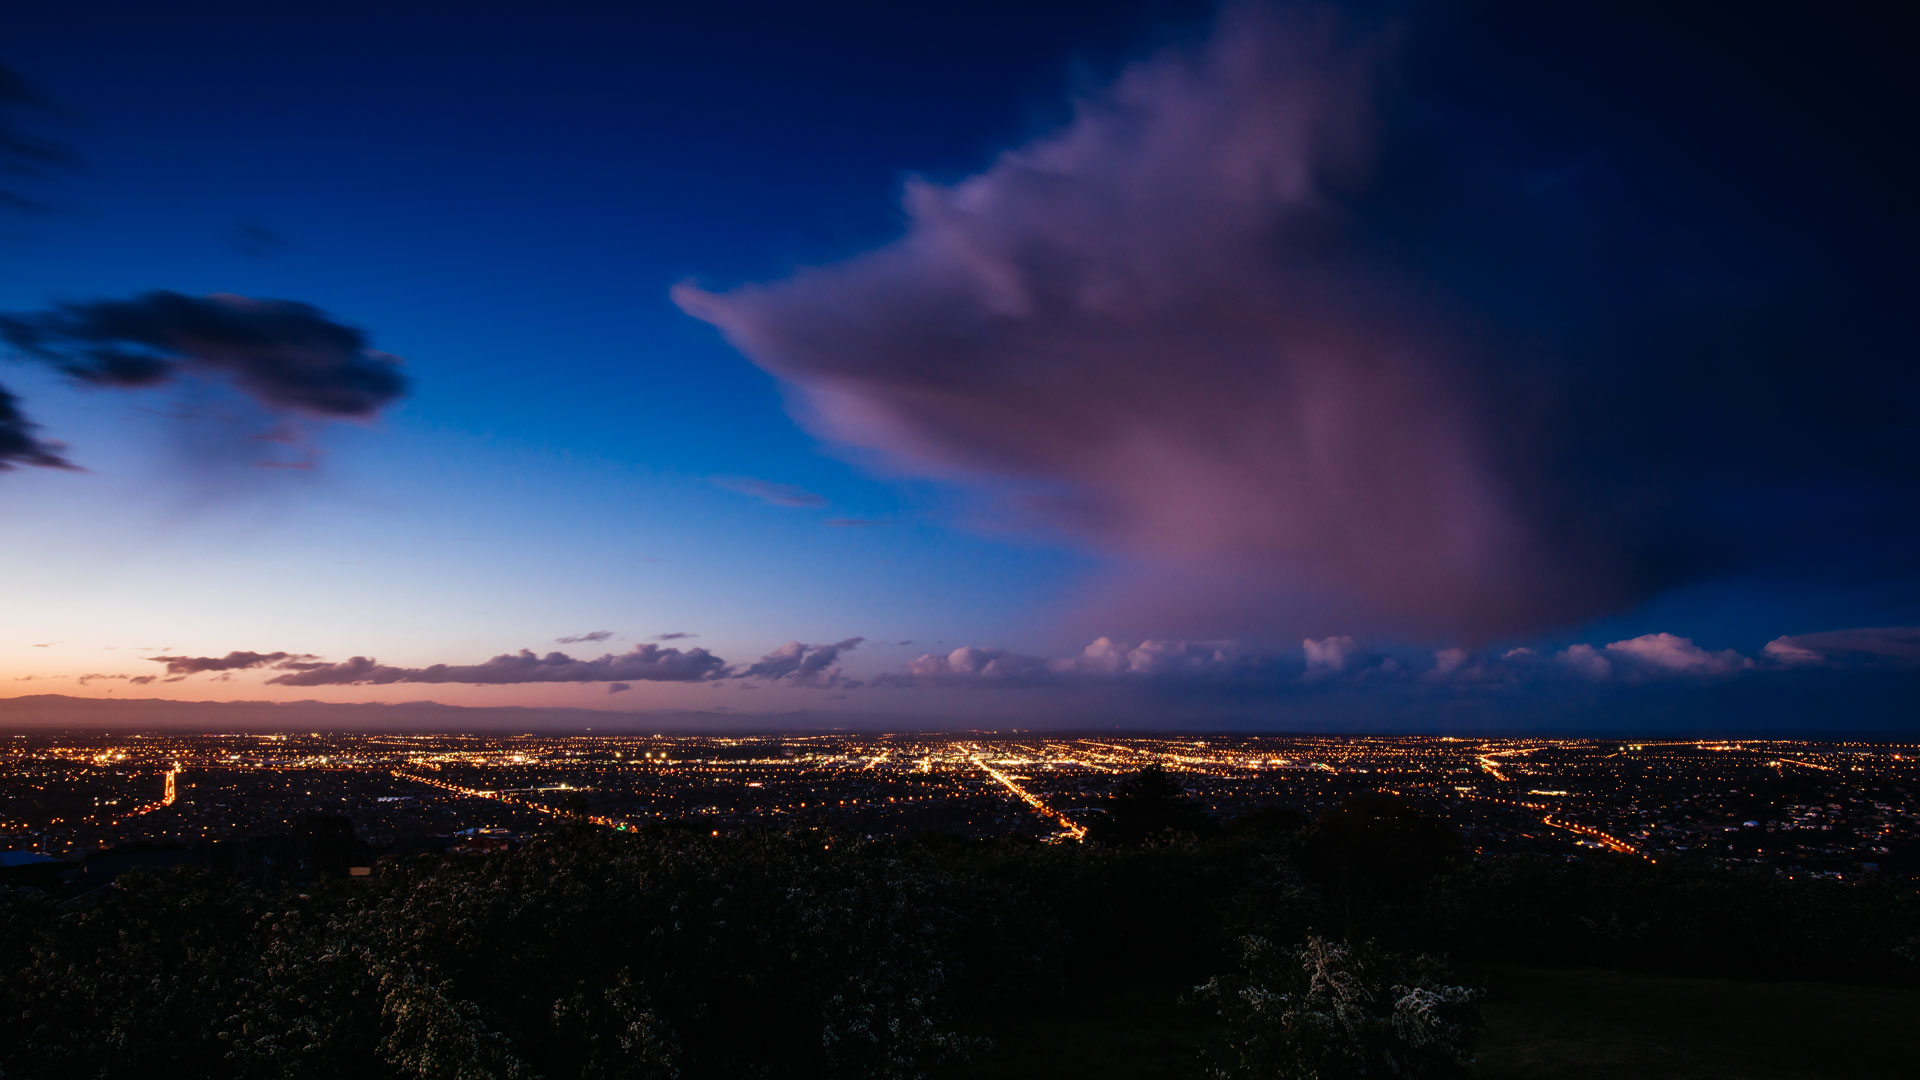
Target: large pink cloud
x,y
1148,321
1388,324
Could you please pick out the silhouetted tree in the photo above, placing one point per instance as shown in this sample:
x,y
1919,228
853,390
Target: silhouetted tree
x,y
1147,804
1376,853
1269,821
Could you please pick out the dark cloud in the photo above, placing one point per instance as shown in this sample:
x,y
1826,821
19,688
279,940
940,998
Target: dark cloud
x,y
25,155
19,443
1879,646
131,680
287,355
619,687
804,665
675,635
1484,324
254,240
233,661
643,663
766,491
591,635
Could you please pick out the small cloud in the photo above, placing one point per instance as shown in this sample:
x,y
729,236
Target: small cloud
x,y
134,680
1876,646
591,635
1672,653
233,661
254,240
767,491
804,665
1328,654
1586,660
675,635
619,687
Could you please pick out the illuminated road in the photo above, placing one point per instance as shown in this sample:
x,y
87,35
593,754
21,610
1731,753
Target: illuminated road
x,y
168,794
501,796
1487,760
1604,839
1076,831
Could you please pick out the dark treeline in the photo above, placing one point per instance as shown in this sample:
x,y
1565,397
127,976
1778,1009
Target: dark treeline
x,y
1317,948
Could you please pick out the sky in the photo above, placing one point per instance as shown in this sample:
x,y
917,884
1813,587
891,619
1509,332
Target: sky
x,y
1369,366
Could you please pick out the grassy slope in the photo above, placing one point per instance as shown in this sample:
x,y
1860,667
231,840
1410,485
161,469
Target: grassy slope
x,y
1564,1025
1129,1032
1570,1025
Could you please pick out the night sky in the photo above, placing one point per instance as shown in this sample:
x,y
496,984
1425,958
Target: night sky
x,y
1471,366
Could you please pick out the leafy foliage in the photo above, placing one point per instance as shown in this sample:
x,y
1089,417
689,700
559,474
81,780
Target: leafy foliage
x,y
1330,1010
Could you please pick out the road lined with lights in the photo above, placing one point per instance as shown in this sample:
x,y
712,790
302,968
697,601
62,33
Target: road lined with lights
x,y
168,794
1078,832
505,797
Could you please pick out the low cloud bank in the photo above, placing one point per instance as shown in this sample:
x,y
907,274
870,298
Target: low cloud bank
x,y
233,661
1338,660
643,663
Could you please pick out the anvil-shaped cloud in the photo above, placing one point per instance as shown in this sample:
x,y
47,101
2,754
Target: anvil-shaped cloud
x,y
1299,304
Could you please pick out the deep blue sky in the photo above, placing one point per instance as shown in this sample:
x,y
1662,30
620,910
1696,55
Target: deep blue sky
x,y
1651,261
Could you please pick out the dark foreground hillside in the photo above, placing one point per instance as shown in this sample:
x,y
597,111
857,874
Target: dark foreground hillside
x,y
1367,942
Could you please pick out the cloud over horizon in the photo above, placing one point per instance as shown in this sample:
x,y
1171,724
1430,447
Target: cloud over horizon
x,y
1336,660
799,664
642,663
233,661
